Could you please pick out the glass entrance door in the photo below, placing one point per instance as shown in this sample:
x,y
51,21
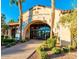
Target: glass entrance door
x,y
39,32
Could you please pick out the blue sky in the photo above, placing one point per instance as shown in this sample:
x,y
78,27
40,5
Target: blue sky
x,y
12,12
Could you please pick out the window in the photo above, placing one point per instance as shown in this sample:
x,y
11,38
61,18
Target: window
x,y
34,9
38,8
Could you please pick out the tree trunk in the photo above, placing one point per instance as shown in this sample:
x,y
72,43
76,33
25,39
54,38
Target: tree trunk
x,y
53,16
20,19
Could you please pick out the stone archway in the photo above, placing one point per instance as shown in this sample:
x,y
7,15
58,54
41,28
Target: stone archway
x,y
37,30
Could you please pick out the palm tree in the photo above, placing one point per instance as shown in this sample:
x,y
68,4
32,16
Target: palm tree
x,y
11,21
4,26
19,4
53,16
3,17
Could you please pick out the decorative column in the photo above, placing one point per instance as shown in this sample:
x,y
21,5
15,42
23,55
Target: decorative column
x,y
9,32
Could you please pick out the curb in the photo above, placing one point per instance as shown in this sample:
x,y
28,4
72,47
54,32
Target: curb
x,y
31,54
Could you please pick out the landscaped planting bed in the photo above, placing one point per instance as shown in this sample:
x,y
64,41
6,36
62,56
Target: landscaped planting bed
x,y
50,45
45,47
8,42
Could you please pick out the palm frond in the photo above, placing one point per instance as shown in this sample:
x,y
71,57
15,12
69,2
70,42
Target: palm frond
x,y
23,0
16,3
12,2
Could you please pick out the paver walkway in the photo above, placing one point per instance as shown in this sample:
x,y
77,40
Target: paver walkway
x,y
20,51
71,55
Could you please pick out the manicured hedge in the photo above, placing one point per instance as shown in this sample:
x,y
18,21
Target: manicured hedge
x,y
56,50
51,42
65,49
42,54
8,40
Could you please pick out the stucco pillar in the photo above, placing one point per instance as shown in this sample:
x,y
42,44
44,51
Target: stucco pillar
x,y
9,33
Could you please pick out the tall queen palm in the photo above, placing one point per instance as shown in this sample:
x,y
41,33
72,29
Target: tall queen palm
x,y
53,17
19,4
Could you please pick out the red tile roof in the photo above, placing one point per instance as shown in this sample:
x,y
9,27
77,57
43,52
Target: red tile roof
x,y
13,24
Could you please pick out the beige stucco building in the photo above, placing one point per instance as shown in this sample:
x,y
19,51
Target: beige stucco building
x,y
39,14
43,15
37,22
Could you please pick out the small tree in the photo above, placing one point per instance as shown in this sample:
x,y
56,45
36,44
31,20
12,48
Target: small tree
x,y
19,4
4,26
70,18
3,17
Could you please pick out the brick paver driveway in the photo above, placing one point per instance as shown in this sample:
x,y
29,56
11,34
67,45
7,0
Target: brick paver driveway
x,y
20,51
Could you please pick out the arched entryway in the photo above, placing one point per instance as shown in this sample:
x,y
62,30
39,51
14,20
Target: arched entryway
x,y
37,30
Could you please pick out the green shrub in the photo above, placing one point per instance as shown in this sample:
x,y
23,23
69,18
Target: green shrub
x,y
65,49
13,43
44,47
42,54
6,37
5,43
56,50
9,40
40,48
72,47
2,38
51,42
8,45
47,45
